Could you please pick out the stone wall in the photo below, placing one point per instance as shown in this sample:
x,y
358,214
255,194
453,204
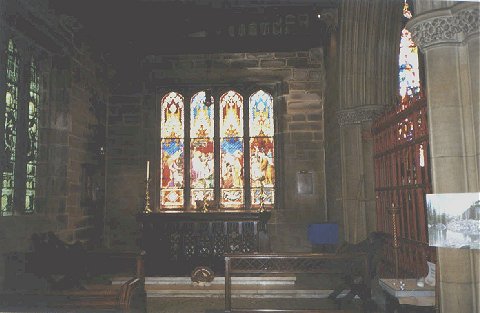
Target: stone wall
x,y
125,172
69,198
298,81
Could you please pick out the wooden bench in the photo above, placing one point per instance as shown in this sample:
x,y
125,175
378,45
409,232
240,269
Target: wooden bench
x,y
291,263
92,296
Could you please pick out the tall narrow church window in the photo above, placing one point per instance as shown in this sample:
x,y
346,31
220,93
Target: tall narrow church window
x,y
32,139
231,146
409,76
202,157
261,129
11,102
172,150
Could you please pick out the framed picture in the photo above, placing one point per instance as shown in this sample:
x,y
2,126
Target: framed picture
x,y
454,220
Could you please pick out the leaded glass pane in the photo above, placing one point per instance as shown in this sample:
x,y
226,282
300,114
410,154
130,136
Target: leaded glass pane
x,y
201,169
171,198
409,78
231,115
172,173
201,117
199,194
172,163
261,114
232,198
172,116
231,172
32,148
262,166
11,102
201,163
268,196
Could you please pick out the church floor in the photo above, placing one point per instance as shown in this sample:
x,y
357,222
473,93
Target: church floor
x,y
217,305
214,301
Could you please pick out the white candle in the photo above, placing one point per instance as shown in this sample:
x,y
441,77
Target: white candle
x,y
148,170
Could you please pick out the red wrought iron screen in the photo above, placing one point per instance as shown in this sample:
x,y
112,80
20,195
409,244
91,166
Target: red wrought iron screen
x,y
402,178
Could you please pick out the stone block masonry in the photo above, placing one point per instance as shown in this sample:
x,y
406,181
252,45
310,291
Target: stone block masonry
x,y
297,81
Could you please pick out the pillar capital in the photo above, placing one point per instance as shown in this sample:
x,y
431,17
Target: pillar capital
x,y
359,114
454,25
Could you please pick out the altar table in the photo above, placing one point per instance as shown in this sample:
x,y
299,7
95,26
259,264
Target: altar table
x,y
176,242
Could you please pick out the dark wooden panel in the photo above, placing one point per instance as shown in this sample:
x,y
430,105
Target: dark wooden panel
x,y
177,242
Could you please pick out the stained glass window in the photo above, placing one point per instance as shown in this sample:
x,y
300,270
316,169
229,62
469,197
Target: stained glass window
x,y
10,139
231,149
262,166
218,132
409,78
172,150
32,149
202,157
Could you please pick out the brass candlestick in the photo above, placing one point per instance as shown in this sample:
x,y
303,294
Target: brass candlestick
x,y
394,211
262,194
147,208
205,197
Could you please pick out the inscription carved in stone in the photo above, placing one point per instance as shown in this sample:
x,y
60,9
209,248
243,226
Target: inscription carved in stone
x,y
359,114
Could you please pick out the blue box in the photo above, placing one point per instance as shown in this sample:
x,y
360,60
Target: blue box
x,y
324,233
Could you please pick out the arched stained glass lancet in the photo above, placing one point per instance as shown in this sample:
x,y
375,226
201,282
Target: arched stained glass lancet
x,y
231,150
409,73
172,150
32,140
10,122
202,154
262,165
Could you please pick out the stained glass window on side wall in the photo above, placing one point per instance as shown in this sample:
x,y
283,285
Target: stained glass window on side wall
x,y
32,149
172,151
201,148
409,73
262,166
10,139
231,150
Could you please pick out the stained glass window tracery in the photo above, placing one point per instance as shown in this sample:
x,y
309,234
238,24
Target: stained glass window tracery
x,y
10,121
224,126
409,73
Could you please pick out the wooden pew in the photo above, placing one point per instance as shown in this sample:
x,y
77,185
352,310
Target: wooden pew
x,y
93,296
291,263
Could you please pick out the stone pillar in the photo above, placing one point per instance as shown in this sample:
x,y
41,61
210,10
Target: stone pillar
x,y
449,38
369,39
357,170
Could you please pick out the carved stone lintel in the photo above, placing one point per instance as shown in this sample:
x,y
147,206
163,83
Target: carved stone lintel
x,y
453,25
358,115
